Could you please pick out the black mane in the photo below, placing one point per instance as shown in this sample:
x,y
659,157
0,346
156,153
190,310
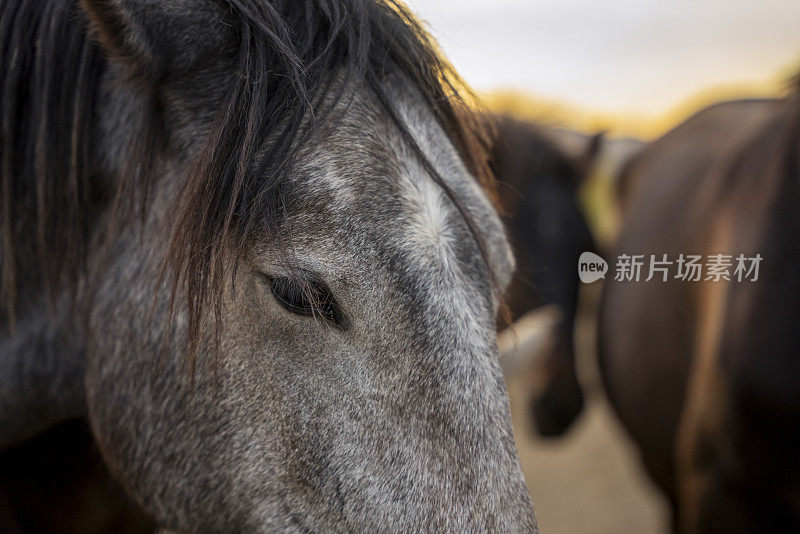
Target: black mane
x,y
51,71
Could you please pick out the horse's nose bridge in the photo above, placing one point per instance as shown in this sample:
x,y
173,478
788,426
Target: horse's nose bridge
x,y
460,322
442,337
459,361
445,396
458,409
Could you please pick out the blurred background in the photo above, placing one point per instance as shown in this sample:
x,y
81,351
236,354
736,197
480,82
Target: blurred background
x,y
624,64
632,69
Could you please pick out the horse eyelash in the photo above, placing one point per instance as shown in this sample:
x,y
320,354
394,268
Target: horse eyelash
x,y
319,299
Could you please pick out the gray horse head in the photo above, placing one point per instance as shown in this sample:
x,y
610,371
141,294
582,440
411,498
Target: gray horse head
x,y
297,330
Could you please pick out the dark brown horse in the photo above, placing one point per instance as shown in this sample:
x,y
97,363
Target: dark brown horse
x,y
705,375
538,184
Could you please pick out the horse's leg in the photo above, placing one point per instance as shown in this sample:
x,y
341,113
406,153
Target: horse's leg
x,y
736,451
705,504
41,379
709,471
721,485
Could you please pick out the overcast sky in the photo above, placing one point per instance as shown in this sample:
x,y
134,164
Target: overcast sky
x,y
640,56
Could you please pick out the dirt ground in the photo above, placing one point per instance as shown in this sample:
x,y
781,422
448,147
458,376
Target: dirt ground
x,y
590,480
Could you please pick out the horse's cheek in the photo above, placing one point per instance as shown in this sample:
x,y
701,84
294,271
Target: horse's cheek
x,y
133,397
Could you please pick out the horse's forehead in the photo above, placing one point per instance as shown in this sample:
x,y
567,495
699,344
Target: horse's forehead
x,y
365,169
367,196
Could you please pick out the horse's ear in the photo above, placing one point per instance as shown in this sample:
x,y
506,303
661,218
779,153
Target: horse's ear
x,y
158,39
582,150
593,148
587,161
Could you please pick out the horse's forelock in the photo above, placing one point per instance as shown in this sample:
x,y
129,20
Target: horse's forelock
x,y
288,55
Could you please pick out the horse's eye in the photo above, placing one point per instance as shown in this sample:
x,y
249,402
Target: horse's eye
x,y
309,299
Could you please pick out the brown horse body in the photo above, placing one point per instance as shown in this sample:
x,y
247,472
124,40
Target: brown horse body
x,y
705,375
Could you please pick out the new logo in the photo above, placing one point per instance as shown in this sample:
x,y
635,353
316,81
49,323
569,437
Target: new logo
x,y
591,267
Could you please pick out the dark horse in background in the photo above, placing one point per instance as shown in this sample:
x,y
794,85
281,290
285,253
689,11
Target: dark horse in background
x,y
248,242
538,182
706,375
